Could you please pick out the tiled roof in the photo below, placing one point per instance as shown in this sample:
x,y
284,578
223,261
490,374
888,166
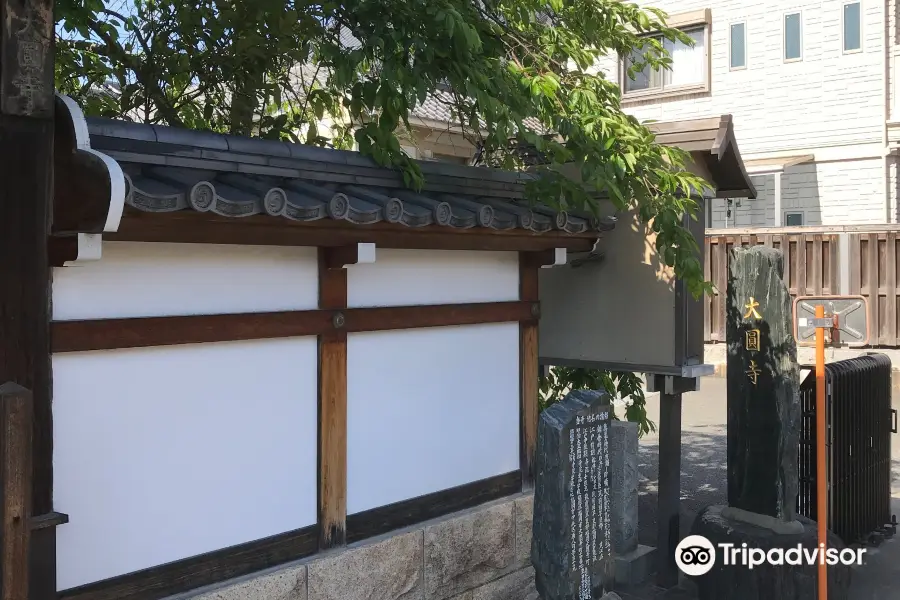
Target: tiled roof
x,y
170,169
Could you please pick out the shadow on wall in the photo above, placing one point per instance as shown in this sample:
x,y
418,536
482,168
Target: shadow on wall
x,y
800,201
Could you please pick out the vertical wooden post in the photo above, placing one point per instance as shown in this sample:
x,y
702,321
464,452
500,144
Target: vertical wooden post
x,y
26,188
669,495
332,492
15,466
529,265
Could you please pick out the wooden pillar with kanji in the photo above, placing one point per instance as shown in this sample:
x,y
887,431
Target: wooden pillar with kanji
x,y
26,189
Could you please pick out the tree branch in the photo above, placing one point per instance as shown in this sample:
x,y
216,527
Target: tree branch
x,y
153,91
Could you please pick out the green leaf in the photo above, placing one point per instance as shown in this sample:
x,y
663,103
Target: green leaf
x,y
501,65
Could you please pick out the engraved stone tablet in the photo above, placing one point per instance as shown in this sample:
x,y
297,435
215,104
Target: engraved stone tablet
x,y
571,547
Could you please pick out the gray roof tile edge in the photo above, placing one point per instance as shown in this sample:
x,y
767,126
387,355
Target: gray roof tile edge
x,y
173,169
229,195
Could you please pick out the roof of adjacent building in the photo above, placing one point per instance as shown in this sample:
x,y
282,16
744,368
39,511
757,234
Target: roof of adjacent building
x,y
712,141
170,169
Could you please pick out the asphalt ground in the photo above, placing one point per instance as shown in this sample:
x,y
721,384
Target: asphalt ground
x,y
703,482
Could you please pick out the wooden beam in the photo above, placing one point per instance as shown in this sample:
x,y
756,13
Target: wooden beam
x,y
383,519
65,251
26,190
208,228
542,259
54,519
110,334
198,571
529,268
441,315
332,458
340,257
143,332
15,511
61,250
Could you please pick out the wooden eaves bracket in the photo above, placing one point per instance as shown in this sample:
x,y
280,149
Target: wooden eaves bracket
x,y
89,190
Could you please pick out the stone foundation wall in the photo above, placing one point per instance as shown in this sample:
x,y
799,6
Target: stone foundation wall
x,y
480,554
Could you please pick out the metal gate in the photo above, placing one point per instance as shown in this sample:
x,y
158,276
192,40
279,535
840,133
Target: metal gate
x,y
860,422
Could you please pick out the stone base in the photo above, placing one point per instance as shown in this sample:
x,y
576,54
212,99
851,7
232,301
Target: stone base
x,y
636,567
483,553
764,582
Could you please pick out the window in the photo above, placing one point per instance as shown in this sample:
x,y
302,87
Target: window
x,y
689,70
738,46
793,37
852,27
793,219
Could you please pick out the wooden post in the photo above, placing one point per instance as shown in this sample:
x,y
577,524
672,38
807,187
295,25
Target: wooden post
x,y
670,390
26,188
529,265
332,405
15,466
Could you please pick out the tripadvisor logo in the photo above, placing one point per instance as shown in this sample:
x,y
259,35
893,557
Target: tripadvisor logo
x,y
696,556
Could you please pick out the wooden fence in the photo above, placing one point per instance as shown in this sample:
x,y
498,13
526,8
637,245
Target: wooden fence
x,y
837,260
873,274
810,268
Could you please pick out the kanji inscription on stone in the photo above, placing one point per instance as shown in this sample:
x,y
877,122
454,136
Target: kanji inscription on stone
x,y
572,546
763,385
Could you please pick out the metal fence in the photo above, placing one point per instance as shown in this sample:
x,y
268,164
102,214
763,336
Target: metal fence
x,y
860,422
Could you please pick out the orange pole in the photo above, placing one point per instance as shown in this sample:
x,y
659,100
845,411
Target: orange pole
x,y
821,475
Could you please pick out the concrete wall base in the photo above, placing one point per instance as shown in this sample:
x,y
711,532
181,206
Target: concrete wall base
x,y
480,554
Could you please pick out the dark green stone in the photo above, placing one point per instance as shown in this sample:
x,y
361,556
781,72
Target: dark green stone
x,y
571,544
763,418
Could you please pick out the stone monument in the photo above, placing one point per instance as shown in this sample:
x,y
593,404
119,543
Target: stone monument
x,y
634,562
763,443
763,387
571,545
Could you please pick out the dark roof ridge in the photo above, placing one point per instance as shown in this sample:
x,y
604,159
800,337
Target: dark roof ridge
x,y
114,129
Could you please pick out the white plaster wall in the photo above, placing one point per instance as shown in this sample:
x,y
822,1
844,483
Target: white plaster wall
x,y
134,279
165,453
430,409
414,277
827,193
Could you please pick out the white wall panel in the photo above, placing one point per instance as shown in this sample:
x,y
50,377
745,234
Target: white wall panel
x,y
430,409
411,277
135,279
165,453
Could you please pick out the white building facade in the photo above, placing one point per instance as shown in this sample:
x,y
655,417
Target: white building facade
x,y
811,87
